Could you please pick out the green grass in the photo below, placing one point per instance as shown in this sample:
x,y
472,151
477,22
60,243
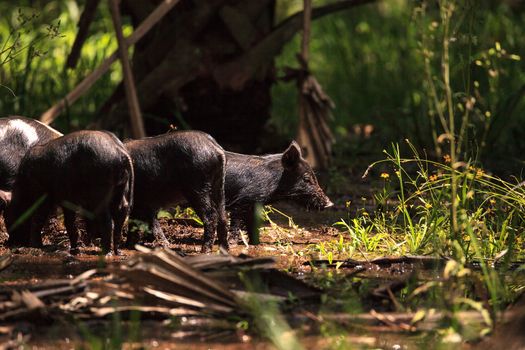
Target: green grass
x,y
381,64
36,43
417,218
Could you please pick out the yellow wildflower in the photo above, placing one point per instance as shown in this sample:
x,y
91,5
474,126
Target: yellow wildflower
x,y
347,204
492,201
428,205
385,175
446,158
479,173
432,178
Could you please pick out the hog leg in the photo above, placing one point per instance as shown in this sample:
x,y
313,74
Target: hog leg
x,y
243,217
87,239
72,229
204,206
104,226
222,230
38,221
250,222
133,234
160,238
19,235
91,228
236,224
119,212
148,216
222,223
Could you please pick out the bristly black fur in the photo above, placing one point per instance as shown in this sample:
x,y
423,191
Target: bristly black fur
x,y
86,172
266,179
180,165
14,143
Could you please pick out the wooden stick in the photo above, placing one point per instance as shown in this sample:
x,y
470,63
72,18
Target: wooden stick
x,y
430,321
305,131
307,20
137,124
48,116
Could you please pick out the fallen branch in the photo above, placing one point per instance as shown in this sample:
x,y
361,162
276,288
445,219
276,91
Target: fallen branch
x,y
409,321
137,124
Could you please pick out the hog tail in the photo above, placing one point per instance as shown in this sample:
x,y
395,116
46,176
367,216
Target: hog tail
x,y
220,201
131,182
219,196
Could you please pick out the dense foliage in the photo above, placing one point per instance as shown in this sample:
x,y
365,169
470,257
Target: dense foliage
x,y
381,64
378,62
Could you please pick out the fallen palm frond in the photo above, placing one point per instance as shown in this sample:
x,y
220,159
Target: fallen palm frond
x,y
211,295
158,283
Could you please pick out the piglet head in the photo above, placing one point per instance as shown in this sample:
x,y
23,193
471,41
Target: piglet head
x,y
299,182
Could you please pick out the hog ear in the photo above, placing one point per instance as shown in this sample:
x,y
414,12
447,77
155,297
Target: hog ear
x,y
292,155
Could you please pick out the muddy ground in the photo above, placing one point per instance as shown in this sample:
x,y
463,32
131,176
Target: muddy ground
x,y
278,239
185,237
289,244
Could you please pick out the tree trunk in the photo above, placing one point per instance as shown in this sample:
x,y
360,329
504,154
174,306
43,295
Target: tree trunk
x,y
208,65
174,68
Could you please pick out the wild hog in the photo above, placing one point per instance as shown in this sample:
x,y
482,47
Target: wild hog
x,y
89,172
17,135
175,166
266,179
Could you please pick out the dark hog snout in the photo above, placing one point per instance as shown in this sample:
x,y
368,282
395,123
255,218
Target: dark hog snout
x,y
307,192
321,200
304,186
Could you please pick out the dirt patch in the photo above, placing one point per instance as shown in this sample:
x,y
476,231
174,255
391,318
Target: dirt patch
x,y
278,239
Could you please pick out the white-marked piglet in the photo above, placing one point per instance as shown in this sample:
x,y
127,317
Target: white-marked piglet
x,y
17,135
86,172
